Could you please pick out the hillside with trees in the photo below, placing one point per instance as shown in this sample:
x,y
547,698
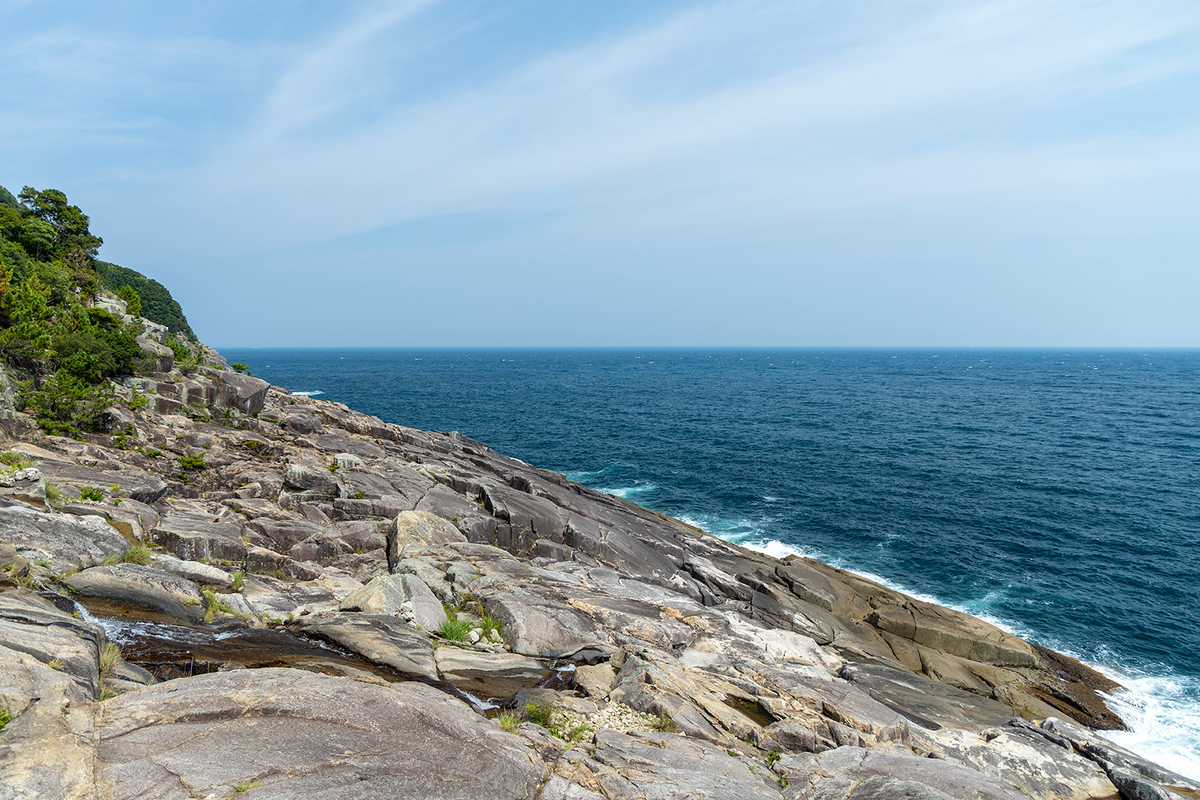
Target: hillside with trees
x,y
58,340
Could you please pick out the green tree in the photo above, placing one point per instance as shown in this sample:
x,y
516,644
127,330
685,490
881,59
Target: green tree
x,y
133,303
69,223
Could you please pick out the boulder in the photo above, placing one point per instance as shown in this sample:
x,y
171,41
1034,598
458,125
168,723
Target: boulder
x,y
418,528
241,392
65,542
387,594
488,674
145,587
289,733
539,626
156,357
195,572
193,537
386,641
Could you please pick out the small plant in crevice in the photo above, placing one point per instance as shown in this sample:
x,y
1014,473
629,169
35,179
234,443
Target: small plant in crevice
x,y
664,724
91,493
110,656
15,460
508,719
454,629
5,718
540,714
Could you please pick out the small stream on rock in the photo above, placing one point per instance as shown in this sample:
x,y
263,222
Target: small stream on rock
x,y
168,649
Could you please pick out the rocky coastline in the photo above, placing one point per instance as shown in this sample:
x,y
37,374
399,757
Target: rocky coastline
x,y
239,592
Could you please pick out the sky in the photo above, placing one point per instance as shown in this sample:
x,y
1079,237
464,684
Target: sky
x,y
1004,173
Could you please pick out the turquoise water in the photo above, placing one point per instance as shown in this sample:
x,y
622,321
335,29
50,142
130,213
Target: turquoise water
x,y
1056,494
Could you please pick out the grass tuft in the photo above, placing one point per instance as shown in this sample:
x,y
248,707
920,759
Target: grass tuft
x,y
110,656
663,723
508,719
454,629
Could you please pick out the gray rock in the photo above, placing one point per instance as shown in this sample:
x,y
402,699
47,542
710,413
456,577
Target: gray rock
x,y
135,485
662,766
195,572
788,736
488,674
386,595
145,587
348,461
928,703
296,734
387,641
310,481
538,626
67,542
193,537
156,357
1022,755
833,773
1135,776
417,528
241,392
595,680
33,626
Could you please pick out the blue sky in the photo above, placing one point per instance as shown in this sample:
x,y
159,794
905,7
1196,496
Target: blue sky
x,y
1016,173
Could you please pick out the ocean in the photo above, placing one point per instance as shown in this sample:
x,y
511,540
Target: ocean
x,y
1053,493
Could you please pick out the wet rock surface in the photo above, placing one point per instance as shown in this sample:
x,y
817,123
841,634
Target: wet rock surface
x,y
327,605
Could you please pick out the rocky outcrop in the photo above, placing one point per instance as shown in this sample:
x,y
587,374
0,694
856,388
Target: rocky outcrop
x,y
432,579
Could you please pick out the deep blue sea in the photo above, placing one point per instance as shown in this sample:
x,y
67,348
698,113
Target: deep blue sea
x,y
1054,493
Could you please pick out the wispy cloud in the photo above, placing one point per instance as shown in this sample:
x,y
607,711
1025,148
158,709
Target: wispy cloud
x,y
589,125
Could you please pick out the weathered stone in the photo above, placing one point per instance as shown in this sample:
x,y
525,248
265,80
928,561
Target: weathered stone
x,y
194,537
66,542
310,480
417,528
662,766
535,626
141,586
386,641
260,559
595,680
928,703
829,774
156,357
488,674
387,594
31,625
290,733
787,736
194,571
1021,755
241,392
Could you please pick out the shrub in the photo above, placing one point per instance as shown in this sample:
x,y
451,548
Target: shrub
x,y
91,493
238,366
192,462
508,719
65,405
138,554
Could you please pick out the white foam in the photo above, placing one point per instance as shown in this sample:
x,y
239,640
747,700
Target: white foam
x,y
625,492
307,394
